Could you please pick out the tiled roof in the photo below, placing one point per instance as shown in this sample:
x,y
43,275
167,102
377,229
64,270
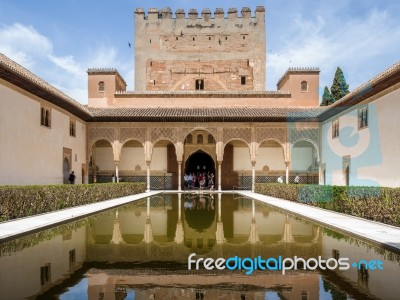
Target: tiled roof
x,y
163,114
23,78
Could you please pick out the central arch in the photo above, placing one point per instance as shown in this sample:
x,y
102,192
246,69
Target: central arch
x,y
199,162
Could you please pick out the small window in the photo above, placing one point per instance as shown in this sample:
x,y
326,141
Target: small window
x,y
177,38
45,274
363,117
244,37
335,129
193,39
101,86
243,80
189,139
151,64
210,139
304,86
45,117
199,139
199,84
72,258
72,128
335,254
154,82
209,38
304,295
226,38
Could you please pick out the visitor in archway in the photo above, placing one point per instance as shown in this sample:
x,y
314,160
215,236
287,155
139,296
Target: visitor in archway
x,y
194,180
211,181
72,177
190,181
186,181
202,180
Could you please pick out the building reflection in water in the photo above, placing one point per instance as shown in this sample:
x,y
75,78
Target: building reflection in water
x,y
160,232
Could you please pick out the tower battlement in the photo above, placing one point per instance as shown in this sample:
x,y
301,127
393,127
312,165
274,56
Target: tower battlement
x,y
223,50
154,14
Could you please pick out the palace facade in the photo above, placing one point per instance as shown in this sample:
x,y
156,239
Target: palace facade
x,y
199,105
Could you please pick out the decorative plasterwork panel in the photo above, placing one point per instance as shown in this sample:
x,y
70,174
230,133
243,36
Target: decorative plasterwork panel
x,y
164,132
101,133
275,133
237,134
307,134
130,133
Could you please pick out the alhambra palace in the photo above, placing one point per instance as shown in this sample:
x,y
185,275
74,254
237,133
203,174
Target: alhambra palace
x,y
199,104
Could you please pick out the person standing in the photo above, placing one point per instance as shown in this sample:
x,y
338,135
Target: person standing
x,y
72,178
297,179
280,179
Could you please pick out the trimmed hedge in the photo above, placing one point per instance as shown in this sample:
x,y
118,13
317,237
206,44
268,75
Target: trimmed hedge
x,y
381,204
22,201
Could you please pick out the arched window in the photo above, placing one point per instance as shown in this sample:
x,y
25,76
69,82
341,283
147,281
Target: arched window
x,y
199,139
101,86
210,139
304,86
189,139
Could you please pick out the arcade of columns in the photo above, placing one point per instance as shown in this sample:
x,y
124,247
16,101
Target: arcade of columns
x,y
252,134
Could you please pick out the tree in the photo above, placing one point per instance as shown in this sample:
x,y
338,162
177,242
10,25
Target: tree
x,y
339,87
327,98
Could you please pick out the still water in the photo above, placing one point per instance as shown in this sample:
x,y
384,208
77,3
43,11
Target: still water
x,y
141,250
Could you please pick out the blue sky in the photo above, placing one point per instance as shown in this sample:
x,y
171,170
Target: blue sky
x,y
59,40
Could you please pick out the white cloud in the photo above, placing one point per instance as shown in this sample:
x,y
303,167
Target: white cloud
x,y
348,43
34,51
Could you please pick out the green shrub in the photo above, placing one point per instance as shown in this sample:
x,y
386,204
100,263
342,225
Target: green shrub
x,y
381,204
22,201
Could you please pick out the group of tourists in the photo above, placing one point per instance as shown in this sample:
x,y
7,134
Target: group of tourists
x,y
200,180
296,179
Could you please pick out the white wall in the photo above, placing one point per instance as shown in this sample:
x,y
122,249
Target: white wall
x,y
31,153
374,150
270,156
20,271
130,157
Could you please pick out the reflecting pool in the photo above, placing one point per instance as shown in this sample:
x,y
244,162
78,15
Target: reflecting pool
x,y
141,250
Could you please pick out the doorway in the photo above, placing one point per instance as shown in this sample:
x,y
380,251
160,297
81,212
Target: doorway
x,y
199,162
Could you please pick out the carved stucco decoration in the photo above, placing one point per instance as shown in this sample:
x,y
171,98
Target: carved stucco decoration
x,y
243,134
101,133
305,134
278,134
169,133
132,133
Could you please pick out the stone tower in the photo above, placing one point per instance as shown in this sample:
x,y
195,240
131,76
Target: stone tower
x,y
211,53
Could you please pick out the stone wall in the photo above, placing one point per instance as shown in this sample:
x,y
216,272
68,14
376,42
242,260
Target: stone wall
x,y
169,51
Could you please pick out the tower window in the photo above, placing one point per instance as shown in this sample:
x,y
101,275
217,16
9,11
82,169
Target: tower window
x,y
199,139
150,41
101,86
177,38
226,38
199,84
243,80
304,86
193,38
